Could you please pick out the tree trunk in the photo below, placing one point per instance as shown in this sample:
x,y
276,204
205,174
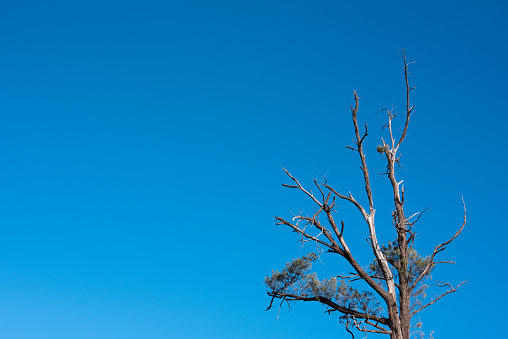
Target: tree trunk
x,y
393,314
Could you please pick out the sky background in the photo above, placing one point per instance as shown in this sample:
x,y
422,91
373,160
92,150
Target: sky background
x,y
142,145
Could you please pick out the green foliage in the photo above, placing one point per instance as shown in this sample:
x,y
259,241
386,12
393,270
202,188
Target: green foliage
x,y
292,278
296,281
414,266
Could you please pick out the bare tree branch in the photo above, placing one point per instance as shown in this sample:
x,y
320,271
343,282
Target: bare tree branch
x,y
359,144
408,89
439,248
366,330
442,295
377,326
281,221
350,199
300,187
333,305
315,222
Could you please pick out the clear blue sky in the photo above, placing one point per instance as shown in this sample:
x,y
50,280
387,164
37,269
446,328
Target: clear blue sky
x,y
141,146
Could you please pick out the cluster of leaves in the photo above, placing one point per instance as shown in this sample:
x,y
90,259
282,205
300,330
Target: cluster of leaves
x,y
293,278
415,264
296,281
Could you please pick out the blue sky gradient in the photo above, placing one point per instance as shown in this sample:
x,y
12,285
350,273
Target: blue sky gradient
x,y
142,146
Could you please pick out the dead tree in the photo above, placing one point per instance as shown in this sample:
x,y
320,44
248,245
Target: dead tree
x,y
398,276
